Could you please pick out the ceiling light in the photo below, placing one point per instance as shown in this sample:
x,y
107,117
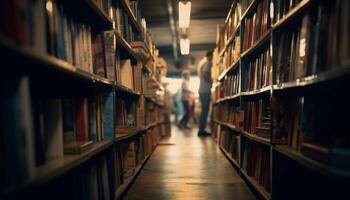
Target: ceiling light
x,y
185,46
184,14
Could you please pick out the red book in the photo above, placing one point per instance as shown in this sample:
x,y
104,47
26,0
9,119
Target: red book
x,y
81,119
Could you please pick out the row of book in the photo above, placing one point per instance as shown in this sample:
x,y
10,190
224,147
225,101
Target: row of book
x,y
129,156
282,8
257,118
314,126
130,75
105,5
232,53
256,162
122,24
230,142
257,72
36,130
49,27
230,86
94,181
231,114
256,25
153,113
310,47
233,20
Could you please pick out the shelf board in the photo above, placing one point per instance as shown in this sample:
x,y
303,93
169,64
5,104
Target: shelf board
x,y
101,14
292,14
46,63
136,131
228,98
249,9
122,43
131,15
310,163
229,157
122,88
228,125
58,166
340,73
234,65
149,98
230,11
127,183
258,188
261,42
256,138
258,92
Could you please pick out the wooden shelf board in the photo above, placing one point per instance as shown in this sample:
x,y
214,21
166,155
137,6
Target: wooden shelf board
x,y
258,188
50,63
149,98
121,137
119,191
58,166
257,44
228,125
100,13
256,138
341,72
120,87
234,65
229,157
257,92
291,14
249,9
121,42
228,98
311,163
131,15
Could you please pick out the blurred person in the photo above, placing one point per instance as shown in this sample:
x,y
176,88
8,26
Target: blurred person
x,y
185,98
205,83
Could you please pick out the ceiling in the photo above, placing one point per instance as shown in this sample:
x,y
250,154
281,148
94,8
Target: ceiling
x,y
205,15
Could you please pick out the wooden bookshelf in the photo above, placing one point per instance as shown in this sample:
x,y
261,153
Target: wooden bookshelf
x,y
258,188
58,166
120,191
102,15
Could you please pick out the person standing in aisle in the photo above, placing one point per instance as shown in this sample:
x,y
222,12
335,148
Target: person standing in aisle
x,y
205,83
185,97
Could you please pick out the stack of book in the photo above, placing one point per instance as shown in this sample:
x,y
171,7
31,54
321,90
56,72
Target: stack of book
x,y
257,118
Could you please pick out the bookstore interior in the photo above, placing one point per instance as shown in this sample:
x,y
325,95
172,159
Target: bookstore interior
x,y
85,106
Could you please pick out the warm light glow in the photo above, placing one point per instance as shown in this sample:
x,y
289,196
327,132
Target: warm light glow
x,y
185,46
49,6
184,14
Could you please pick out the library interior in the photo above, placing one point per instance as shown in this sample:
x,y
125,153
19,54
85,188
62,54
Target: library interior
x,y
174,99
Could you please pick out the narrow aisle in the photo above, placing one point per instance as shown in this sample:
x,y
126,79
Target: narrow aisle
x,y
188,167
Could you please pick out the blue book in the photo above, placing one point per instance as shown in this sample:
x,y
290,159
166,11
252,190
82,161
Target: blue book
x,y
108,116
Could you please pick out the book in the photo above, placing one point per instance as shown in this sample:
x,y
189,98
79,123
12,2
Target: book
x,y
127,70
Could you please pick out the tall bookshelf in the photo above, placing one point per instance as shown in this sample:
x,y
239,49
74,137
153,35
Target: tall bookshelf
x,y
81,110
278,114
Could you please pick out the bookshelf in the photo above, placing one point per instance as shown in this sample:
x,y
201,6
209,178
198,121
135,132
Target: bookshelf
x,y
279,112
82,101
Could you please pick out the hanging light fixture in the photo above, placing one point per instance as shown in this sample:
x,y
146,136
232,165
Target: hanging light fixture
x,y
184,14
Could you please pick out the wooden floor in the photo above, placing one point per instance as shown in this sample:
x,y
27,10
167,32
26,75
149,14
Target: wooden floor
x,y
188,167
